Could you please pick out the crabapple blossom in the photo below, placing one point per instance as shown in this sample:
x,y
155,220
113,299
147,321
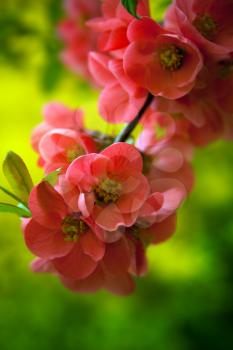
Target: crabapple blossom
x,y
106,198
112,187
56,115
78,38
113,24
56,232
59,147
163,62
208,24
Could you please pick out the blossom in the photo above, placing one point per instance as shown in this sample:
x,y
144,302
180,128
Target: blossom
x,y
121,98
209,24
78,38
112,187
164,63
59,147
203,112
166,197
160,231
167,149
113,24
57,233
112,272
77,8
56,115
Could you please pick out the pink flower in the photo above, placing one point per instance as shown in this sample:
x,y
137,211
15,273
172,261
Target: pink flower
x,y
200,107
56,115
112,26
78,38
166,197
57,233
162,62
111,272
112,186
159,232
167,148
209,24
59,147
121,98
82,8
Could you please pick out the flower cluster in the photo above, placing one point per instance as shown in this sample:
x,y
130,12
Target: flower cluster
x,y
108,204
111,199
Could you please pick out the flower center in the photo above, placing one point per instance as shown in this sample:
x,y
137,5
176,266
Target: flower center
x,y
74,153
206,25
72,226
171,57
147,162
225,68
108,191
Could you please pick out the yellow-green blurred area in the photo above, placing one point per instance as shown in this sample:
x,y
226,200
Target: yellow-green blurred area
x,y
185,303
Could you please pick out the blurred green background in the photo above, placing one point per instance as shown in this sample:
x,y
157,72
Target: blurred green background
x,y
185,302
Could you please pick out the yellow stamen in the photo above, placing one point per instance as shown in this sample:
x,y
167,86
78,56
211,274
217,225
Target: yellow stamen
x,y
74,153
72,227
225,68
171,57
206,25
108,191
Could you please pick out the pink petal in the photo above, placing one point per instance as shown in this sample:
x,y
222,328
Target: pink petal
x,y
92,246
57,115
119,284
160,232
128,151
138,264
116,106
116,67
56,141
174,193
42,266
117,257
145,29
75,265
110,218
69,192
169,160
98,66
47,205
90,284
133,200
45,243
80,172
86,203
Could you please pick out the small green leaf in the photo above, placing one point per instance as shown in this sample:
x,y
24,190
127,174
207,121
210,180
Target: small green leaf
x,y
18,210
131,7
10,194
18,176
26,210
53,177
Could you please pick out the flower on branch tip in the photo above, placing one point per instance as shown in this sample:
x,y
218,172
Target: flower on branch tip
x,y
164,63
112,187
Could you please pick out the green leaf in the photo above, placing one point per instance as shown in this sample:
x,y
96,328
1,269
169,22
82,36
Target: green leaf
x,y
131,7
18,210
10,194
18,176
26,210
53,177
